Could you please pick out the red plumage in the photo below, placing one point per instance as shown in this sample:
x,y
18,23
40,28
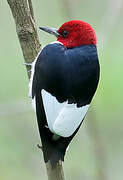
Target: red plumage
x,y
80,33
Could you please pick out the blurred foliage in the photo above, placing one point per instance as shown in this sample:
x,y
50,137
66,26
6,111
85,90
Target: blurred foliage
x,y
19,157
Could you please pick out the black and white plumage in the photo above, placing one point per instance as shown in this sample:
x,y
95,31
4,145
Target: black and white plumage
x,y
66,80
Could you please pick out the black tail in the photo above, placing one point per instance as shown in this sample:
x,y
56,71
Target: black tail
x,y
52,150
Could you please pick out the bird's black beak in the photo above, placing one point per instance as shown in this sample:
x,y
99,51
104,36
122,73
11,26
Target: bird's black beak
x,y
53,31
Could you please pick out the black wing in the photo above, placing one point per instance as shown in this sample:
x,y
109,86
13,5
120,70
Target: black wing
x,y
68,74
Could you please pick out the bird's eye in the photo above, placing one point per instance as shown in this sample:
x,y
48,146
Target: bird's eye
x,y
65,33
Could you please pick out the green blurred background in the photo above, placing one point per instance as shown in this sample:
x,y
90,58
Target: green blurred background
x,y
96,153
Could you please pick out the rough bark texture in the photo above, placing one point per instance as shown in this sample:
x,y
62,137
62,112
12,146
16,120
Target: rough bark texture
x,y
26,31
56,172
22,11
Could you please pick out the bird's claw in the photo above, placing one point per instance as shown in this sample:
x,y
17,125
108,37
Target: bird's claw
x,y
40,147
46,127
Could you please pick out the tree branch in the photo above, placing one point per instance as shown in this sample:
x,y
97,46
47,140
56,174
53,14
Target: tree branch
x,y
31,9
55,173
23,15
26,30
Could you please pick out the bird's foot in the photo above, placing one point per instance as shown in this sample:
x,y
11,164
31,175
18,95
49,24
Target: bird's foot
x,y
40,147
46,127
29,71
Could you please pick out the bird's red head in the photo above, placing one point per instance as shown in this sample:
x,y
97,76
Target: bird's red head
x,y
76,33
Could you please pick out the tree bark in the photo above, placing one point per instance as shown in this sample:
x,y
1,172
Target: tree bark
x,y
55,173
26,30
23,15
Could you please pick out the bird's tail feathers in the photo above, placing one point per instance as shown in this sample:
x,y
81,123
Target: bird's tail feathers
x,y
51,149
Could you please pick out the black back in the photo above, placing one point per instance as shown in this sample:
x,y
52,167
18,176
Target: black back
x,y
68,74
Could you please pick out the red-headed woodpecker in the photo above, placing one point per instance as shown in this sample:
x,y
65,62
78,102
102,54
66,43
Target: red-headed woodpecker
x,y
65,76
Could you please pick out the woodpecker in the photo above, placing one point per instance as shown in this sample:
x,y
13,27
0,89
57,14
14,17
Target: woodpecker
x,y
64,75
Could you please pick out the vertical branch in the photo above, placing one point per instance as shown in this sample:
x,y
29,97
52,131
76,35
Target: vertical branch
x,y
55,173
23,15
26,30
31,9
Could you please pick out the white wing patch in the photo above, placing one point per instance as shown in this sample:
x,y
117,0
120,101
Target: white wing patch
x,y
52,108
62,118
69,119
